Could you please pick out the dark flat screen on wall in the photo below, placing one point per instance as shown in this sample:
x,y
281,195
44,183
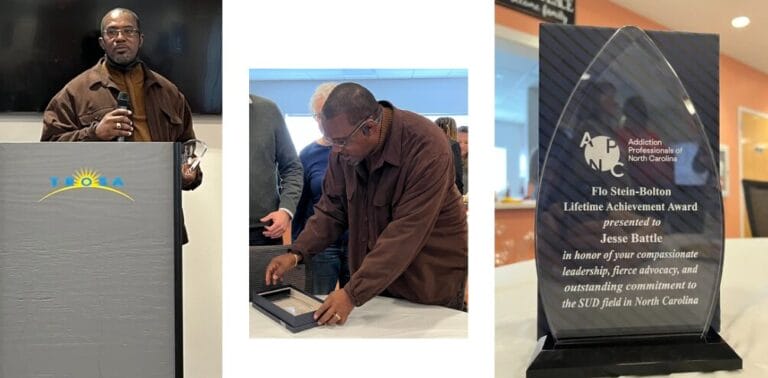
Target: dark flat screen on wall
x,y
46,43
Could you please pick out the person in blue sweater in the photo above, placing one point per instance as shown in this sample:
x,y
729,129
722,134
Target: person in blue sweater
x,y
330,266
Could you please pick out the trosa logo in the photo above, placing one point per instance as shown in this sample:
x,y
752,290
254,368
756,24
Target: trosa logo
x,y
602,154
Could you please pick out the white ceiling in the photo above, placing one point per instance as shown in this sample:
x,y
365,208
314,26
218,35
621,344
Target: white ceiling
x,y
748,45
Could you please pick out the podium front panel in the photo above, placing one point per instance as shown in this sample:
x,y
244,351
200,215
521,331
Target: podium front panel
x,y
89,257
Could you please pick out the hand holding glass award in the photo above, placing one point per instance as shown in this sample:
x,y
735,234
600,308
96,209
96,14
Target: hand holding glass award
x,y
193,152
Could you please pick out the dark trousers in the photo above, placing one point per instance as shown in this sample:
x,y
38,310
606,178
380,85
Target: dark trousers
x,y
326,268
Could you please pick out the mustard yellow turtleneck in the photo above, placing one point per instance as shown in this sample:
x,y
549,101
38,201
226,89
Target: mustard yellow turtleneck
x,y
132,82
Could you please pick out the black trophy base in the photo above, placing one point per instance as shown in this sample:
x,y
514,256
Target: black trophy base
x,y
657,357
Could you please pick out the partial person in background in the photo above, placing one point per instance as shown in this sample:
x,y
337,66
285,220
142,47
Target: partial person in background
x,y
330,266
533,175
463,135
86,109
448,125
276,174
390,182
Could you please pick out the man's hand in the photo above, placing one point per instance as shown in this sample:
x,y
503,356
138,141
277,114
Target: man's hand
x,y
278,266
188,175
335,309
115,124
280,223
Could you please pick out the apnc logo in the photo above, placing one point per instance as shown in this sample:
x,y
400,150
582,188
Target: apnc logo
x,y
86,178
602,154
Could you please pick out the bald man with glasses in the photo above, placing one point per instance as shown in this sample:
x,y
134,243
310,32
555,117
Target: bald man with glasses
x,y
390,180
87,109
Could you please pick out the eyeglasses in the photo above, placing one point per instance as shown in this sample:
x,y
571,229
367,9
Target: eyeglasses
x,y
342,142
127,32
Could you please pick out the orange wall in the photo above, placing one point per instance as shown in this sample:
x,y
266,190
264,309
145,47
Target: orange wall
x,y
740,85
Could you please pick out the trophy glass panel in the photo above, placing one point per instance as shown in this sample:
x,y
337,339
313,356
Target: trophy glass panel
x,y
629,216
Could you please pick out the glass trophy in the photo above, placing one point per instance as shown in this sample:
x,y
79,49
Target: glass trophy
x,y
289,306
629,222
193,152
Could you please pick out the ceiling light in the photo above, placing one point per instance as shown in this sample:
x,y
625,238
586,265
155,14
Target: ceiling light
x,y
740,22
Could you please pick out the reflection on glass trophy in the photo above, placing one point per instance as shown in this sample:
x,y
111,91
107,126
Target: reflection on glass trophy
x,y
194,149
292,301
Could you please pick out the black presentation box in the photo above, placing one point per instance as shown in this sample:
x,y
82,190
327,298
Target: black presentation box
x,y
289,306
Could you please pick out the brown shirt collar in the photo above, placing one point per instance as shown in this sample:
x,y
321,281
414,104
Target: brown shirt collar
x,y
97,75
390,152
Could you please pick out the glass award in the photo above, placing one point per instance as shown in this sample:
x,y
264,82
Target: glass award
x,y
629,222
289,306
193,152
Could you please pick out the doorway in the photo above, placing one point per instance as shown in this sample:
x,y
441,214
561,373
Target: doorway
x,y
753,128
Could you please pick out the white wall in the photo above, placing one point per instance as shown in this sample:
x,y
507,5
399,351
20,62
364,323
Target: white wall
x,y
202,256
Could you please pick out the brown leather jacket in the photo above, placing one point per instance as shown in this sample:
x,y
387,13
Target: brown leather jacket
x,y
74,112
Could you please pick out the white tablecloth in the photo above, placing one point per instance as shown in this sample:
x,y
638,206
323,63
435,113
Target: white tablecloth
x,y
744,307
380,317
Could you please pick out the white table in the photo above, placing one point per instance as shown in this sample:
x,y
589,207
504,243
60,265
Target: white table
x,y
744,307
380,317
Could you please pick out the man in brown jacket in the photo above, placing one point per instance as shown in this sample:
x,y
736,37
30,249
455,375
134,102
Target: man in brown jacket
x,y
390,180
86,108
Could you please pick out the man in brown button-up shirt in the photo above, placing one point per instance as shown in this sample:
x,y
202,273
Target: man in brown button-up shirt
x,y
86,109
390,180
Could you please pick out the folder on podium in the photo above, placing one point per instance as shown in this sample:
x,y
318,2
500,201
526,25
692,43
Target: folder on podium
x,y
90,260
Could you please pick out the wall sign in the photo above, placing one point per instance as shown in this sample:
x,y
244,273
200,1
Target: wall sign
x,y
557,11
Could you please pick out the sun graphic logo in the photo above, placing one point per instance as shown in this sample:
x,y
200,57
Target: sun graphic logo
x,y
86,178
602,154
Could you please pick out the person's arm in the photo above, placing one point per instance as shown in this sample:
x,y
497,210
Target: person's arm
x,y
61,123
330,218
427,184
305,201
320,230
291,182
289,169
458,167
